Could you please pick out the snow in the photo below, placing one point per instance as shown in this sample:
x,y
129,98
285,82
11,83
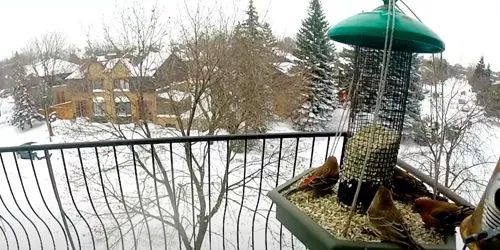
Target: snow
x,y
285,67
98,90
70,173
54,67
80,130
78,74
175,95
121,99
98,99
6,109
496,83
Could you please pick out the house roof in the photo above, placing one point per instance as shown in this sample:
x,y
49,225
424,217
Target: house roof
x,y
52,66
147,67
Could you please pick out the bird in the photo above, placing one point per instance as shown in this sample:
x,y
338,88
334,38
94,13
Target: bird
x,y
471,227
407,188
321,180
387,221
441,215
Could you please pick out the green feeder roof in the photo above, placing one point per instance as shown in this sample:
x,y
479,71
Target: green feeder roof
x,y
368,29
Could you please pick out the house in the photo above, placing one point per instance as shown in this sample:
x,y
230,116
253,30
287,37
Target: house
x,y
107,89
115,88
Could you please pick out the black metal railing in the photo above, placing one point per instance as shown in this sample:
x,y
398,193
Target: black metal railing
x,y
204,192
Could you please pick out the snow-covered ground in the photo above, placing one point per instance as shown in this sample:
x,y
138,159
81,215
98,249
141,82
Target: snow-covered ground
x,y
28,198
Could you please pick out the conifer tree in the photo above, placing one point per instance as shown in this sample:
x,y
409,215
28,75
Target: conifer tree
x,y
24,106
316,53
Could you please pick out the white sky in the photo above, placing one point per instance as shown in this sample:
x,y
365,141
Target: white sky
x,y
467,27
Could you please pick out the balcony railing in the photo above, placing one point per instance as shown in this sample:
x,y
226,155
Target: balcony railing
x,y
206,192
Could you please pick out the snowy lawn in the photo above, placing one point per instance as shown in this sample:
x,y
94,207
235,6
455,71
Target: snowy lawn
x,y
245,215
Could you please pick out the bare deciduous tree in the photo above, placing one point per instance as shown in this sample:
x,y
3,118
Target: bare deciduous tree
x,y
450,138
47,52
222,93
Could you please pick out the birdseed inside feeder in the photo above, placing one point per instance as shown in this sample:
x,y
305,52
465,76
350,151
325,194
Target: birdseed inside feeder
x,y
367,33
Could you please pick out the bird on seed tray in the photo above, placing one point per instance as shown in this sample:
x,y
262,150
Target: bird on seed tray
x,y
321,180
407,188
387,221
441,215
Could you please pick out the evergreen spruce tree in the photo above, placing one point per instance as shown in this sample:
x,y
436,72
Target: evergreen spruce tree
x,y
316,53
24,107
254,32
345,66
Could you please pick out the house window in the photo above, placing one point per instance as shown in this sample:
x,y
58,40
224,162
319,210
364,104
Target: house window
x,y
97,86
122,85
123,107
81,109
99,106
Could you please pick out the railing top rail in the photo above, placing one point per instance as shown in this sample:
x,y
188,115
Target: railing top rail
x,y
162,140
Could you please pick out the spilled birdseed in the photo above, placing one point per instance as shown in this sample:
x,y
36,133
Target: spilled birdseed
x,y
330,215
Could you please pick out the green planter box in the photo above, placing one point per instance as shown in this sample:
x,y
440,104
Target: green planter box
x,y
314,236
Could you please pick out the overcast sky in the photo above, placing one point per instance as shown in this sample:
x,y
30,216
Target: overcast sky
x,y
467,27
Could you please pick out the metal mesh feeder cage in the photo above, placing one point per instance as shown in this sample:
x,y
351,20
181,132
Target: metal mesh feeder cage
x,y
367,32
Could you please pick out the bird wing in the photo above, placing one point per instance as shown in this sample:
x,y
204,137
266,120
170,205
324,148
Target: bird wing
x,y
453,217
394,229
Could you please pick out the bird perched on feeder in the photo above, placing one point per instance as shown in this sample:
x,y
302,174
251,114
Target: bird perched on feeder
x,y
407,188
321,180
388,222
444,216
476,229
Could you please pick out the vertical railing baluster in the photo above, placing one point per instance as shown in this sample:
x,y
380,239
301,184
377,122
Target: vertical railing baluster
x,y
327,148
260,190
123,197
76,231
312,152
140,197
90,199
209,197
153,152
17,220
243,194
5,236
226,179
73,200
58,200
43,199
275,185
173,189
191,174
106,198
17,204
293,173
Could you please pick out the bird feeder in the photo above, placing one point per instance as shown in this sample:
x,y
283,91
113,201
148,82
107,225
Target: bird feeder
x,y
367,32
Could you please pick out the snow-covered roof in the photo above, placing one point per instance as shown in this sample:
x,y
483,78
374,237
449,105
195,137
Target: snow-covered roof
x,y
175,95
79,73
122,99
98,99
148,67
54,67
